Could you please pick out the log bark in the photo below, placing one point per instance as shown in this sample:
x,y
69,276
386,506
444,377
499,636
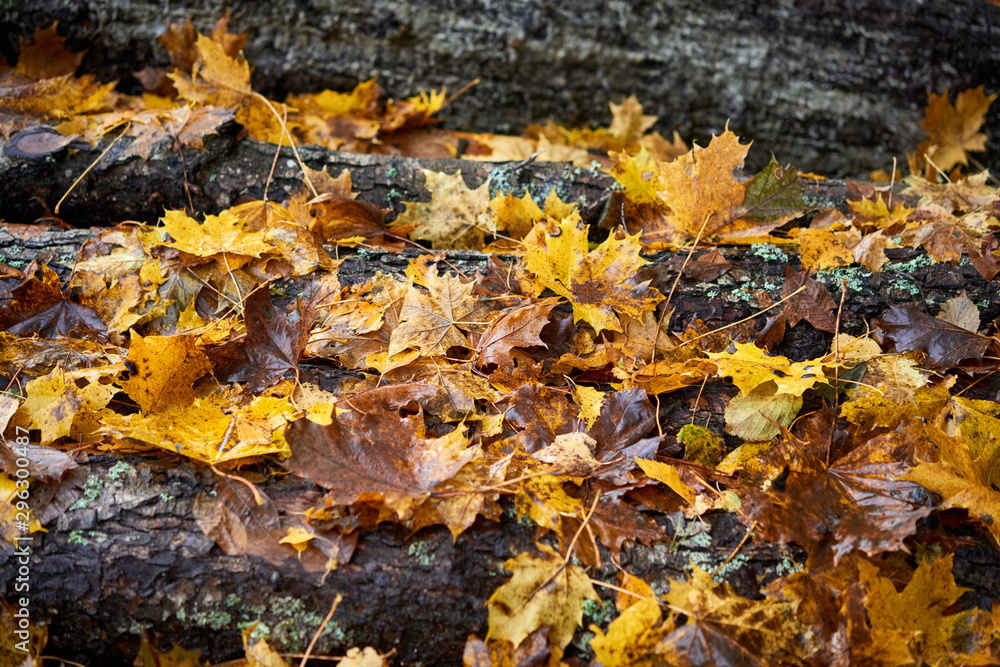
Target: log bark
x,y
835,87
128,556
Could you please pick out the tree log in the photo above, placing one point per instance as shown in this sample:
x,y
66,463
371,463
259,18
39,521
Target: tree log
x,y
128,556
835,87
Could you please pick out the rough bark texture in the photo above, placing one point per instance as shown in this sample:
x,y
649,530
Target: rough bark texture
x,y
835,86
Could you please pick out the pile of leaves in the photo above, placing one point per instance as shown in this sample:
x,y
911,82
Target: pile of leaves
x,y
533,384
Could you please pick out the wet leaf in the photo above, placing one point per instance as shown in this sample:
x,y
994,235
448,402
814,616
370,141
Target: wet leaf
x,y
274,342
544,591
946,344
376,456
599,282
858,501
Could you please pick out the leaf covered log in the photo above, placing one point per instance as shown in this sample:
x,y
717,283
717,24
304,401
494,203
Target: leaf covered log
x,y
611,399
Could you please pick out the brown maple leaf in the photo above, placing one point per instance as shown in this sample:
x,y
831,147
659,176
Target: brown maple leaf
x,y
517,326
376,456
813,304
438,317
274,342
541,413
857,502
946,344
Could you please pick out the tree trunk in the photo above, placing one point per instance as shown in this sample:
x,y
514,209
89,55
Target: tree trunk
x,y
128,555
834,86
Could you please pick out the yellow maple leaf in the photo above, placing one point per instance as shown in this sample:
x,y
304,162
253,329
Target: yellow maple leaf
x,y
669,475
456,217
639,176
544,500
436,318
204,432
544,591
966,472
701,190
219,234
59,97
52,403
920,608
165,369
298,537
750,366
217,78
953,129
877,212
632,638
742,631
515,215
360,101
598,283
14,510
893,388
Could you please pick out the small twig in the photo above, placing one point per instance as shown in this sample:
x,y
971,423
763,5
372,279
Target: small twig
x,y
736,550
745,319
836,354
694,410
225,439
257,496
586,519
92,165
892,182
666,304
604,584
565,559
321,628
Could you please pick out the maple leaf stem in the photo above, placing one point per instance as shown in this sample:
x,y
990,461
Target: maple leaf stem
x,y
489,489
229,270
209,286
91,166
892,183
735,551
321,628
978,380
673,288
665,605
698,399
461,90
257,495
937,168
745,319
291,142
586,520
274,164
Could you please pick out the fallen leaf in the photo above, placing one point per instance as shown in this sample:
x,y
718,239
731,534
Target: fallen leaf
x,y
544,591
946,344
376,456
598,283
274,342
858,501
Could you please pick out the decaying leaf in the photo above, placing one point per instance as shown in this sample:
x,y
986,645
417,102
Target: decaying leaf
x,y
946,344
544,591
858,501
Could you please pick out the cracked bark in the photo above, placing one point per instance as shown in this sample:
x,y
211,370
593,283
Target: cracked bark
x,y
835,87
